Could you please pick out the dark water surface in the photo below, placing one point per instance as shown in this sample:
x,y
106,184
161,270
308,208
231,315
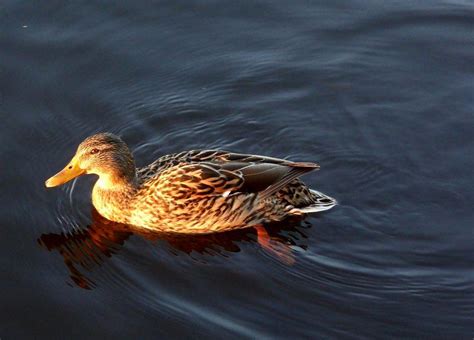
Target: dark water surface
x,y
380,93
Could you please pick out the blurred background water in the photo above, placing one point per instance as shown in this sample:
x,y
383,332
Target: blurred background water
x,y
380,93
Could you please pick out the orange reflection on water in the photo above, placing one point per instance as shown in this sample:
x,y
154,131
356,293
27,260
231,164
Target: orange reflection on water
x,y
89,247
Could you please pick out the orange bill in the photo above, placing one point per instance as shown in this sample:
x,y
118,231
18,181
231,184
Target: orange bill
x,y
71,171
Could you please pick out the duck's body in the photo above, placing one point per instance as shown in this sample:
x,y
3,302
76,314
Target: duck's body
x,y
200,191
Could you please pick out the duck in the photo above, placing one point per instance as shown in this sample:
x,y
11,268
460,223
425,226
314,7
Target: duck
x,y
192,192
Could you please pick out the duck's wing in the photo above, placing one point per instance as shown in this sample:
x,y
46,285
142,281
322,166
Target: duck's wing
x,y
215,172
212,156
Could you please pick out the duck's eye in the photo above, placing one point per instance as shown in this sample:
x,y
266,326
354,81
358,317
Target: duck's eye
x,y
94,151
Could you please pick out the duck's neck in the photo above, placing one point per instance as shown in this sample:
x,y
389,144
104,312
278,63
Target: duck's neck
x,y
116,182
112,195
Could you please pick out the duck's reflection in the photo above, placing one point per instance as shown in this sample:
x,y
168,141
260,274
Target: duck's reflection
x,y
89,247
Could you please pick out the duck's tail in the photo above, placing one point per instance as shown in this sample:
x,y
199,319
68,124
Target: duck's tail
x,y
320,202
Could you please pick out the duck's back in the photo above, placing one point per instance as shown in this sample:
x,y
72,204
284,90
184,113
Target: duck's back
x,y
204,191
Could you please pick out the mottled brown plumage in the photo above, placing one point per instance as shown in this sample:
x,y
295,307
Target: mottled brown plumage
x,y
199,191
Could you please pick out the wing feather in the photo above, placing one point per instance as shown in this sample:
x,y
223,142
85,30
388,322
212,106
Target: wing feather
x,y
200,173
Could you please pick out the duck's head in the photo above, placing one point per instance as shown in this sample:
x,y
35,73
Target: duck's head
x,y
103,154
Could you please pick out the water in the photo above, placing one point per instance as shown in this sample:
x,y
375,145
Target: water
x,y
379,93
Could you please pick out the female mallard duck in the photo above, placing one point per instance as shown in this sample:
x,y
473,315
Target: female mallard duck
x,y
199,191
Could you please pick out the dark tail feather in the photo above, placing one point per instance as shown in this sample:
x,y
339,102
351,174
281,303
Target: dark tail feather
x,y
321,202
